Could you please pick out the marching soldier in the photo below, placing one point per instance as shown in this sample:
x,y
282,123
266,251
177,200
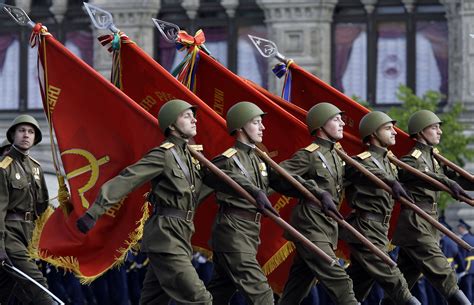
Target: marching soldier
x,y
318,161
23,197
417,238
235,234
5,147
176,183
466,283
372,212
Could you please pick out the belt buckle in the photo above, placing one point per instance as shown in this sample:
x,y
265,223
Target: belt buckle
x,y
28,216
434,208
386,219
258,216
189,215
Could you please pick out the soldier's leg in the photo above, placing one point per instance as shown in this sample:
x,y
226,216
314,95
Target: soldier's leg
x,y
333,278
21,260
221,286
6,286
465,284
178,279
246,275
361,279
152,293
389,278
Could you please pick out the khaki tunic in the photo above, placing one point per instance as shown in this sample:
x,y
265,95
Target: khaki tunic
x,y
320,163
365,197
22,189
417,238
166,239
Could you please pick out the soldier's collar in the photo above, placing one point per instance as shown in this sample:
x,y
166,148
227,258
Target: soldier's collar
x,y
177,141
245,147
15,153
424,147
378,150
325,143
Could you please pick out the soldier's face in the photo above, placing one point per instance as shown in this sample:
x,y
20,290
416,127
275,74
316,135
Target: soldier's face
x,y
432,134
335,127
386,135
186,123
254,129
24,137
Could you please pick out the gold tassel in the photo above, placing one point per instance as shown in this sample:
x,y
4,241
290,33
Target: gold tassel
x,y
64,198
35,237
279,257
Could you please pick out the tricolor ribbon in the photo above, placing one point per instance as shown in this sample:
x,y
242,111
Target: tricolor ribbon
x,y
38,30
280,70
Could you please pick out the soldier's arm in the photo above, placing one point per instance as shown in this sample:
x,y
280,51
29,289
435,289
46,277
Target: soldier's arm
x,y
407,178
132,177
453,175
43,204
4,195
298,166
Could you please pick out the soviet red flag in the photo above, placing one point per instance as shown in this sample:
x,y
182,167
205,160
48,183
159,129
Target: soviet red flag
x,y
150,85
99,131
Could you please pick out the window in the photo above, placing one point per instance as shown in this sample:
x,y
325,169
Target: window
x,y
373,54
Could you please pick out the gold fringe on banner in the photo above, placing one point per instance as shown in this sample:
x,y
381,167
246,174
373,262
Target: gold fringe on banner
x,y
205,252
279,257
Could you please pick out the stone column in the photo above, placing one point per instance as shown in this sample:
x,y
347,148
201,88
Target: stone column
x,y
132,17
302,31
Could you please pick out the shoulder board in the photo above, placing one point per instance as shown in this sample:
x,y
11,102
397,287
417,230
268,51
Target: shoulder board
x,y
36,161
312,147
435,150
364,155
197,147
230,152
338,145
6,162
416,153
167,145
391,154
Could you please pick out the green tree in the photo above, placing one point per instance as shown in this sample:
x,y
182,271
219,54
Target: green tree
x,y
454,143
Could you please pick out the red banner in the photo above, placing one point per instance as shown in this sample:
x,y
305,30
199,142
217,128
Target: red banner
x,y
99,131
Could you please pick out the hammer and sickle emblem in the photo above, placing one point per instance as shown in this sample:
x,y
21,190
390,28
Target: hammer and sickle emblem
x,y
93,167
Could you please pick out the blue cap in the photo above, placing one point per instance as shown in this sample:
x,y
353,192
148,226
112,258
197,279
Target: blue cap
x,y
464,224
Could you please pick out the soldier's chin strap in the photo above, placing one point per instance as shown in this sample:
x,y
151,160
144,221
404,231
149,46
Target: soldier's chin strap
x,y
424,138
328,135
249,139
181,134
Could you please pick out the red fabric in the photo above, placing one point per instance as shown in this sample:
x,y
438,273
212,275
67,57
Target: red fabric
x,y
91,115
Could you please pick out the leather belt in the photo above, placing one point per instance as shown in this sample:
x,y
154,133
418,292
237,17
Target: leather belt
x,y
20,216
428,206
175,213
385,219
241,213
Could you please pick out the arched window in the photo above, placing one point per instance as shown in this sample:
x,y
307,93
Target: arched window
x,y
374,53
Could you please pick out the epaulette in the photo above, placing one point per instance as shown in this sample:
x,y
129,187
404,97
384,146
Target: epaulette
x,y
230,152
167,145
416,153
364,155
435,150
197,147
36,161
312,147
6,162
338,145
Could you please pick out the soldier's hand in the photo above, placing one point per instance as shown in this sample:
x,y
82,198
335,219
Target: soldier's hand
x,y
4,259
458,191
263,202
328,205
85,223
398,192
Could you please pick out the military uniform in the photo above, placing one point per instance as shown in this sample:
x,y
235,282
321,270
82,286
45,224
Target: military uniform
x,y
466,281
418,239
373,207
320,163
175,185
23,197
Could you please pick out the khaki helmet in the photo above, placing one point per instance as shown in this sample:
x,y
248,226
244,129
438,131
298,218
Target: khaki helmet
x,y
169,112
25,119
420,120
372,121
319,114
5,143
239,114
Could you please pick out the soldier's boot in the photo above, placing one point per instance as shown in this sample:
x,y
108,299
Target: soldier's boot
x,y
386,301
458,298
413,301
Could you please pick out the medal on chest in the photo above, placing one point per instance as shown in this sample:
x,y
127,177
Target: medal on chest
x,y
262,167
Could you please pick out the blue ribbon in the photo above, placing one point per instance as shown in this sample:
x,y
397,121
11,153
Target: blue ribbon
x,y
280,70
116,42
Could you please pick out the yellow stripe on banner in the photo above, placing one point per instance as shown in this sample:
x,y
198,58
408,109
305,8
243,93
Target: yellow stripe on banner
x,y
469,259
278,258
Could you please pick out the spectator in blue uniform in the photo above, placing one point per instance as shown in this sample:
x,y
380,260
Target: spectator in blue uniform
x,y
468,256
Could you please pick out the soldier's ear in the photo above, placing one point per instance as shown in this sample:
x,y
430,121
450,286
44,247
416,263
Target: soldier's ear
x,y
171,127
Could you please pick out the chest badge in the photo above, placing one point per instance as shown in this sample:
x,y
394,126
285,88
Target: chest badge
x,y
17,176
263,169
